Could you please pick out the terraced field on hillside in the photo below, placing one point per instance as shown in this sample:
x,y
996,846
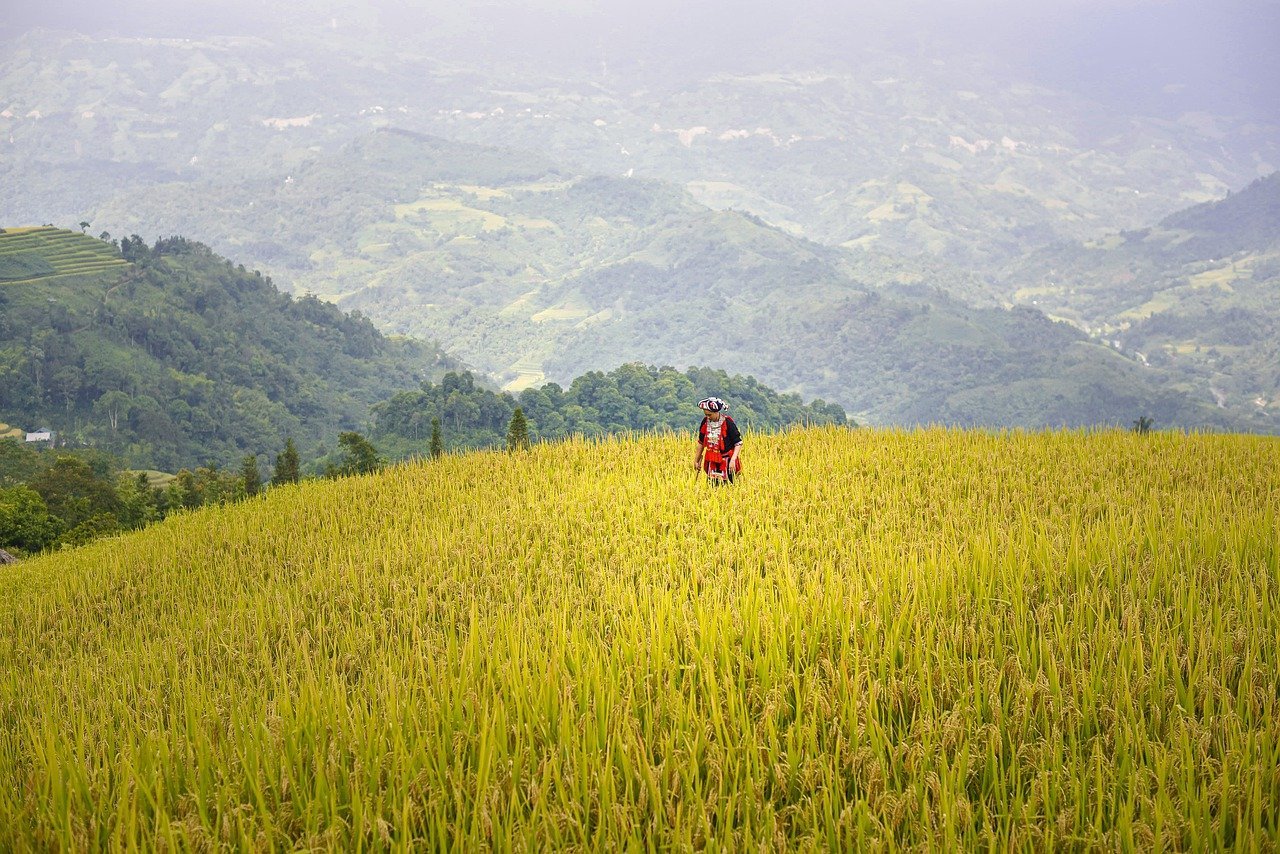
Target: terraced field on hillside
x,y
44,252
932,640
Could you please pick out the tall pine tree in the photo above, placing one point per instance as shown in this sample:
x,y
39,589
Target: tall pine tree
x,y
250,476
518,431
437,443
287,468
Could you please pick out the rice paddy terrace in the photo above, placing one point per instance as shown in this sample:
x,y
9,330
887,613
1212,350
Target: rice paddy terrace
x,y
38,253
931,640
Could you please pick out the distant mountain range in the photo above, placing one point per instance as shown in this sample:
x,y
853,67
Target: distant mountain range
x,y
941,152
854,231
529,274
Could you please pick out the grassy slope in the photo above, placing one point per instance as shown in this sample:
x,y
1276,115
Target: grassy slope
x,y
1019,640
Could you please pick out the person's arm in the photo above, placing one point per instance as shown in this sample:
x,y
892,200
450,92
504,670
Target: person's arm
x,y
697,460
735,443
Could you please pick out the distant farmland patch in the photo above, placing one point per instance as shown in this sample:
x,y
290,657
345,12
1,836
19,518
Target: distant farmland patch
x,y
33,254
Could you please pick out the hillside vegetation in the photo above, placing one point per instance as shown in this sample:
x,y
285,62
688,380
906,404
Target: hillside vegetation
x,y
931,639
530,219
530,276
170,356
631,398
1197,295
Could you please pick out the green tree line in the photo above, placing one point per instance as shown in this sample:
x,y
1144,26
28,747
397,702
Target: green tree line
x,y
631,397
57,497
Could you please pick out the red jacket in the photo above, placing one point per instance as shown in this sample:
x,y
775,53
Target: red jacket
x,y
716,454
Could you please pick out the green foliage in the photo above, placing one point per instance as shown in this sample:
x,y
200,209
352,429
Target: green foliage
x,y
184,492
358,456
204,486
19,462
632,397
288,468
518,431
437,441
94,527
74,492
183,358
69,497
25,522
139,501
250,476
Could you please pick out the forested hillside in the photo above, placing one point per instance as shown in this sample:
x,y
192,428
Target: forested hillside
x,y
172,356
1197,295
736,208
530,276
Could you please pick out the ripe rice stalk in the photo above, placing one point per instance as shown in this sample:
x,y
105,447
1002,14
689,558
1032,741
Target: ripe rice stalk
x,y
930,638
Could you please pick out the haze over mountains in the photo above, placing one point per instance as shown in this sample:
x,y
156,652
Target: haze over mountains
x,y
1158,57
837,202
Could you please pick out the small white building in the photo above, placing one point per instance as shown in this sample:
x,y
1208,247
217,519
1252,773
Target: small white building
x,y
42,435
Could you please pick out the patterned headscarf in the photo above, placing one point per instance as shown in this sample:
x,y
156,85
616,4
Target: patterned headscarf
x,y
713,404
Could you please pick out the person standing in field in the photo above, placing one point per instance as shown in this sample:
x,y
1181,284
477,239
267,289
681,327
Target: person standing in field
x,y
719,442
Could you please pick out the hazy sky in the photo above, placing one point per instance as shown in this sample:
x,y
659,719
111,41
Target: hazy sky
x,y
1153,55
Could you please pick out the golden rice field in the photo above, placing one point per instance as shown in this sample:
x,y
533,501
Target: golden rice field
x,y
927,640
